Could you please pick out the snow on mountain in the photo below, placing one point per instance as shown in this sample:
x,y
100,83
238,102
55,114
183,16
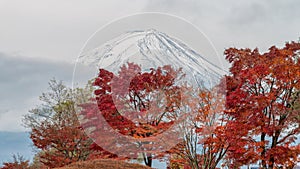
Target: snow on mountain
x,y
150,49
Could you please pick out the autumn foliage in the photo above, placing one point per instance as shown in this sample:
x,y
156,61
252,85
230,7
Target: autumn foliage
x,y
205,143
261,94
251,117
136,104
18,163
105,164
56,131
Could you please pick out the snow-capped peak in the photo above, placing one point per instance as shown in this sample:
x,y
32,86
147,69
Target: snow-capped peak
x,y
150,49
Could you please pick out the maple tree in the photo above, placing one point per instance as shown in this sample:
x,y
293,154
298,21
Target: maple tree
x,y
155,114
210,126
136,104
126,102
56,130
18,163
205,143
36,162
261,99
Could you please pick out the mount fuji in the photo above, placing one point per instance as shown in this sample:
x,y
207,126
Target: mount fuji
x,y
150,49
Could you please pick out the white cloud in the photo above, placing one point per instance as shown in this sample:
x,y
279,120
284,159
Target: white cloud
x,y
11,121
23,80
45,32
55,29
256,23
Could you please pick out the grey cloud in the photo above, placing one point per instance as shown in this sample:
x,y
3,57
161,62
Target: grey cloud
x,y
245,15
56,29
176,5
21,77
264,12
231,11
48,30
255,23
22,81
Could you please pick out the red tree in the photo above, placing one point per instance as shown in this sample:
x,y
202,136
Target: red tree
x,y
18,163
260,97
56,131
134,103
205,143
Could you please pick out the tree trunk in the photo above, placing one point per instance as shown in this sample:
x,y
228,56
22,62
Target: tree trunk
x,y
263,153
272,161
147,159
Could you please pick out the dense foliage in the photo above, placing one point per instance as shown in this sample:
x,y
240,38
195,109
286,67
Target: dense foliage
x,y
251,117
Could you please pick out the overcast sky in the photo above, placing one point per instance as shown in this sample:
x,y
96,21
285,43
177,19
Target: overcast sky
x,y
41,39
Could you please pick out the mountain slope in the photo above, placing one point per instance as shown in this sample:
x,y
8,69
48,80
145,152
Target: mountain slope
x,y
150,49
